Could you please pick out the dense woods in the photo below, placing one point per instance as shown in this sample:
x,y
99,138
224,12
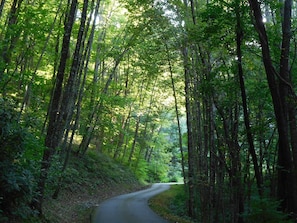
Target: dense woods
x,y
202,91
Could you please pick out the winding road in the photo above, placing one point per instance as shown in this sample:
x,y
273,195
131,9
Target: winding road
x,y
130,208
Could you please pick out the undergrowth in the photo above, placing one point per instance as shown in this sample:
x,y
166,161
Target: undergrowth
x,y
87,182
171,204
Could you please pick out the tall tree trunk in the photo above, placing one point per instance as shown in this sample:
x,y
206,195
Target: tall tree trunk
x,y
11,36
82,71
125,120
180,142
239,36
287,95
29,86
95,116
56,123
1,7
230,126
191,150
132,151
286,178
121,136
70,91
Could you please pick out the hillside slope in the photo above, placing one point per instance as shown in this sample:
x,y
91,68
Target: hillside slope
x,y
87,182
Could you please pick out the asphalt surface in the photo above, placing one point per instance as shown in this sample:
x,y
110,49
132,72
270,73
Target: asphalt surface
x,y
130,208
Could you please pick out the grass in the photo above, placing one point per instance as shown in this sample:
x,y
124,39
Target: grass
x,y
171,205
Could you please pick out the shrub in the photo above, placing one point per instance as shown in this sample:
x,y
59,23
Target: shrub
x,y
16,178
264,210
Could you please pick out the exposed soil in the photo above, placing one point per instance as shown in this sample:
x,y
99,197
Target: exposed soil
x,y
78,206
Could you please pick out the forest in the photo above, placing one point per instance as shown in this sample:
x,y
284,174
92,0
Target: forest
x,y
191,90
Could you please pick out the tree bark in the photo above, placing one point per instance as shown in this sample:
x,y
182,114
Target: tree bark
x,y
11,36
95,115
286,178
191,150
56,125
1,7
239,36
82,72
134,141
180,143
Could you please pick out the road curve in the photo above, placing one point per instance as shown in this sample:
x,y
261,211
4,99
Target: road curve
x,y
130,208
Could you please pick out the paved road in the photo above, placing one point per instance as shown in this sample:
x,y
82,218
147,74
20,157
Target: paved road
x,y
130,208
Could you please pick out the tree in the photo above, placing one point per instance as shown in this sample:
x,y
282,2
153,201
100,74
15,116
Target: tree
x,y
11,36
58,119
281,90
239,37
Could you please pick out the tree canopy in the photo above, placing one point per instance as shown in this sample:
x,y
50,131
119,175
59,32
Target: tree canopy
x,y
198,91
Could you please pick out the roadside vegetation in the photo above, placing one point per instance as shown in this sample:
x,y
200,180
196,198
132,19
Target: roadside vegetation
x,y
86,183
171,204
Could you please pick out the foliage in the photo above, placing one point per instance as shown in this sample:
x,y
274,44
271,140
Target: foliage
x,y
84,171
264,210
171,204
178,203
175,169
87,181
17,178
141,170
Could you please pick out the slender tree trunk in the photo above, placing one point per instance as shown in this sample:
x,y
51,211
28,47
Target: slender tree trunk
x,y
11,36
126,144
54,79
239,36
70,92
213,163
95,116
180,143
29,86
2,3
191,152
230,126
121,135
134,141
125,123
